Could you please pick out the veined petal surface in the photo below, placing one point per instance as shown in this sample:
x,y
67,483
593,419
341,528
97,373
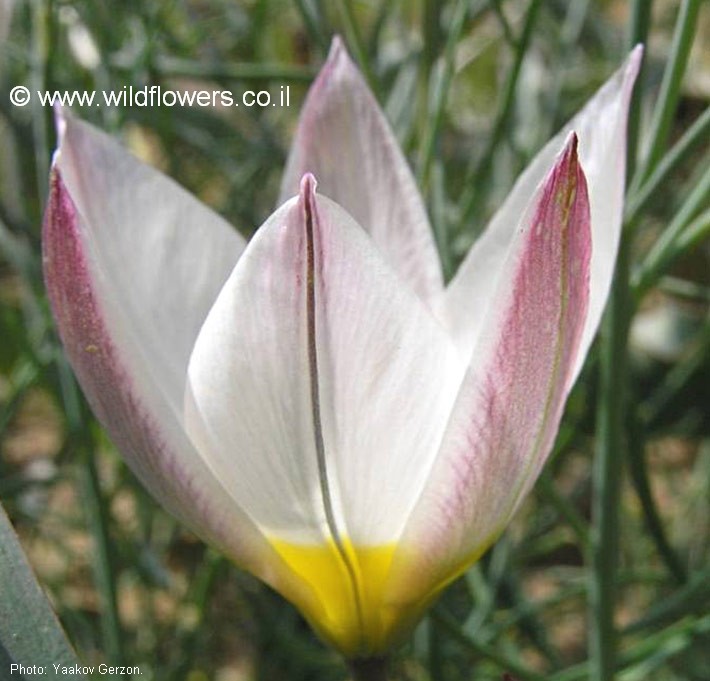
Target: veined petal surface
x,y
319,390
507,413
344,139
601,129
129,295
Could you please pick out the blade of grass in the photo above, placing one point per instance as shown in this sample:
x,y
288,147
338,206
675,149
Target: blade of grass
x,y
103,560
312,22
483,650
686,631
677,378
41,45
693,597
669,94
611,439
642,486
435,110
638,33
529,624
30,633
694,137
682,234
503,22
439,219
606,476
477,180
352,33
96,514
569,37
565,508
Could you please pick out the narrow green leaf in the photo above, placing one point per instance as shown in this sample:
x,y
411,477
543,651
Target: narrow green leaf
x,y
684,233
477,180
670,87
694,137
606,476
642,485
30,633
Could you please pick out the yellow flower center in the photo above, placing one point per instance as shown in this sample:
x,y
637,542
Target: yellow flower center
x,y
345,604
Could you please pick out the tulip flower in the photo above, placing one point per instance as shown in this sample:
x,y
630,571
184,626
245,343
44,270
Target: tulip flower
x,y
316,403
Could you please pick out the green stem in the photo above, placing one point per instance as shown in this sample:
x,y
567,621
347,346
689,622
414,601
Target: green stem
x,y
352,33
676,379
547,489
695,136
436,656
486,651
477,181
642,485
96,514
685,633
682,234
670,87
41,39
607,474
611,441
692,598
104,573
503,22
313,25
638,33
369,669
434,118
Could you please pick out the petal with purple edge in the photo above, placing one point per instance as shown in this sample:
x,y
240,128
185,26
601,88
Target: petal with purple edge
x,y
344,139
507,413
99,301
601,128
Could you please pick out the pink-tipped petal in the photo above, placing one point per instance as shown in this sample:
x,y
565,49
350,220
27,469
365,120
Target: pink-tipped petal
x,y
160,255
344,139
601,128
130,262
508,411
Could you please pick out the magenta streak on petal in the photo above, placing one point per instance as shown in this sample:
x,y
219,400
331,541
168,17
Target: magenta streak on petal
x,y
109,388
508,411
525,385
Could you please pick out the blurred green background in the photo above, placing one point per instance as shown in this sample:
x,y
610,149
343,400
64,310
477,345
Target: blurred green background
x,y
472,89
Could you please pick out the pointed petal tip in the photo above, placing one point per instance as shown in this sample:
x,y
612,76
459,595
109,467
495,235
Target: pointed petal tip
x,y
60,121
337,47
568,159
566,177
637,53
571,144
338,61
308,186
633,63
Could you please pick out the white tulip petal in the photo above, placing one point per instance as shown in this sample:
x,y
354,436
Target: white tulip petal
x,y
344,139
507,414
360,366
128,294
601,129
162,255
